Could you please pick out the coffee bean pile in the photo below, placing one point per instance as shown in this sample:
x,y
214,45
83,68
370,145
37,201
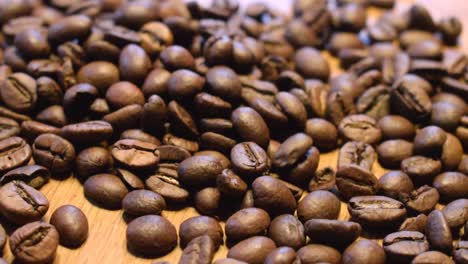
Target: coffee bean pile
x,y
164,104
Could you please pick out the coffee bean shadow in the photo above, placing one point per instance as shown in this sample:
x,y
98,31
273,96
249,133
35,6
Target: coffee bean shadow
x,y
174,207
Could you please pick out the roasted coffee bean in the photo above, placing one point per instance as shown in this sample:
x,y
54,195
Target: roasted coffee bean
x,y
151,235
324,231
427,49
460,252
456,213
376,211
395,184
382,30
410,99
121,94
200,249
141,135
33,175
198,226
92,160
166,183
208,201
323,132
249,159
32,129
446,115
105,189
131,181
423,199
438,231
291,150
429,69
273,196
450,27
54,152
229,184
452,152
420,18
432,257
395,67
360,128
293,108
313,206
53,115
323,179
15,152
282,255
403,246
247,223
78,99
451,185
429,141
134,63
143,202
253,250
71,224
21,203
375,102
396,127
10,128
421,169
357,153
200,171
19,92
339,105
172,153
87,132
353,180
364,251
35,242
100,74
316,253
135,154
392,152
417,223
286,230
229,261
250,126
69,28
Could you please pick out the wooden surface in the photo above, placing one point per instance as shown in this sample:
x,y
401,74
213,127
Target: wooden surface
x,y
107,243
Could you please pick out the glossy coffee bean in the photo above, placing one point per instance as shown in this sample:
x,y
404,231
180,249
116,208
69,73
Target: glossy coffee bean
x,y
247,223
423,199
250,126
100,74
451,185
134,63
364,251
429,141
253,250
135,154
87,132
396,127
417,223
376,211
124,93
456,213
200,225
54,152
143,202
200,171
15,152
360,128
322,231
71,224
208,201
357,153
282,255
19,92
323,132
33,175
201,248
106,190
438,231
395,184
392,152
230,184
403,246
432,257
286,230
316,253
313,206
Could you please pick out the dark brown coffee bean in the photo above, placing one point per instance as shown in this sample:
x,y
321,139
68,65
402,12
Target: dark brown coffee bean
x,y
460,252
169,153
451,185
208,201
291,150
423,199
438,231
19,92
429,141
325,231
54,152
395,184
200,250
199,171
392,152
360,128
247,223
339,105
100,74
417,223
15,152
253,250
105,189
183,85
143,202
250,126
273,196
420,18
432,257
33,175
272,115
376,211
450,27
323,132
32,129
249,159
456,213
131,181
353,180
69,28
141,135
53,115
71,224
427,49
282,255
122,94
92,160
286,230
357,153
446,115
151,235
78,98
396,127
35,242
21,203
403,246
313,206
200,225
10,128
32,43
134,63
421,169
410,99
323,179
344,40
165,182
293,108
364,251
135,154
229,184
316,253
87,132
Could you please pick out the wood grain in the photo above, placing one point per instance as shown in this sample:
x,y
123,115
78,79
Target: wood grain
x,y
107,243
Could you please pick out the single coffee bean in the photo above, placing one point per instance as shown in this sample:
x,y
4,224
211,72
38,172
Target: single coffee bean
x,y
87,132
10,128
54,152
323,132
151,235
33,175
273,196
360,128
247,223
199,171
353,180
71,224
229,261
249,160
131,181
32,43
143,202
181,120
286,230
452,152
141,135
166,183
430,257
460,252
392,152
183,85
201,249
198,226
21,203
417,223
446,115
78,98
357,153
176,58
135,154
53,115
451,185
395,184
224,82
92,160
253,250
15,152
229,184
208,105
69,28
323,179
429,141
208,201
438,231
421,169
396,127
375,102
316,253
293,108
32,129
423,199
291,150
100,74
450,27
105,189
313,206
339,105
326,231
19,92
121,94
282,255
250,126
364,251
170,153
35,242
410,99
456,213
376,211
403,246
134,63
420,18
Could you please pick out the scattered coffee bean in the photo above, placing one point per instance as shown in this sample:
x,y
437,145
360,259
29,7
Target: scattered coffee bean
x,y
71,224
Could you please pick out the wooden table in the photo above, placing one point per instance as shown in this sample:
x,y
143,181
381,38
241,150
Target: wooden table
x,y
107,243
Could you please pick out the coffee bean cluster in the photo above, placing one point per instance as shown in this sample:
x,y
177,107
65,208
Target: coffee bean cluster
x,y
157,105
